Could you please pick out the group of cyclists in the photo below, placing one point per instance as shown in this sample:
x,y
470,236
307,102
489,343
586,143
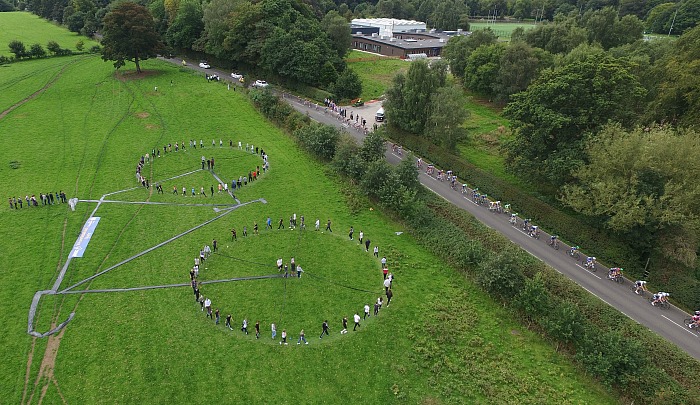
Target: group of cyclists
x,y
659,299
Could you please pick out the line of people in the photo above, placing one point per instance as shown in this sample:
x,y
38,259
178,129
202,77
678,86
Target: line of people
x,y
51,198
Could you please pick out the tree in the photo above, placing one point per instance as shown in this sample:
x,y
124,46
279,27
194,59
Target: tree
x,y
338,31
659,18
53,47
129,35
678,98
564,106
187,25
348,85
482,68
643,183
500,274
459,47
80,45
37,51
17,47
519,65
408,100
76,21
372,148
319,139
447,115
561,36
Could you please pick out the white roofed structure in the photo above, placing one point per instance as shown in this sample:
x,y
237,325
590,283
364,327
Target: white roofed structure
x,y
387,26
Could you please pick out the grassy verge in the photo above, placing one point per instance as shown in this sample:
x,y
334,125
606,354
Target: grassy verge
x,y
156,346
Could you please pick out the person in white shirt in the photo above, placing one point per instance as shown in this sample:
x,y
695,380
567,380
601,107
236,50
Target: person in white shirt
x,y
376,251
357,321
387,284
279,264
366,311
318,223
273,327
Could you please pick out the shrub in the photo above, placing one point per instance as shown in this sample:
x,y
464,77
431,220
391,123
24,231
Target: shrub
x,y
500,274
17,47
37,51
95,49
4,60
80,45
53,47
319,139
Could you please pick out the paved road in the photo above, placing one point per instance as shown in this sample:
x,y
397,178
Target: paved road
x,y
667,323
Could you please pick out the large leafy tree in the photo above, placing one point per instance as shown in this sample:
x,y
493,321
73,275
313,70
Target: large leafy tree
x,y
338,30
129,34
482,68
459,47
408,100
643,183
519,65
445,123
558,111
187,26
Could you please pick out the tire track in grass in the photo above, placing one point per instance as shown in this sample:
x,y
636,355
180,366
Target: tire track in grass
x,y
38,92
51,352
49,358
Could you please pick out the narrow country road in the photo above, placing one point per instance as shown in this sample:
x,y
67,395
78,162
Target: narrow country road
x,y
668,323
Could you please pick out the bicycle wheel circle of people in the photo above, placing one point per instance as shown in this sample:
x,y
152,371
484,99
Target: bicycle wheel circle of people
x,y
226,276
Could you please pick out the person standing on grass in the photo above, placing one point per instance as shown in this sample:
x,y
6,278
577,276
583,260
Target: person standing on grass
x,y
279,264
318,224
357,321
293,264
215,244
244,326
345,326
273,328
385,271
217,316
228,322
284,336
302,338
201,191
351,232
207,305
366,311
281,225
212,189
376,251
184,191
257,329
324,329
384,262
376,308
389,295
233,234
362,235
328,226
255,228
367,243
201,302
245,230
387,284
268,223
299,271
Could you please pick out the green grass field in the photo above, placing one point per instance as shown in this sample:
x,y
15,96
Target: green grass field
x,y
502,30
376,73
31,29
441,341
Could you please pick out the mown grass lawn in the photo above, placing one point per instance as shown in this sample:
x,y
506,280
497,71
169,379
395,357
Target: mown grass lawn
x,y
84,135
32,29
375,71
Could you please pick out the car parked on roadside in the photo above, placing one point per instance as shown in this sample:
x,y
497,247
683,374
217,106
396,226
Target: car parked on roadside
x,y
236,76
261,84
204,65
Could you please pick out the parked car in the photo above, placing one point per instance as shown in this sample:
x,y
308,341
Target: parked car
x,y
260,84
237,76
204,65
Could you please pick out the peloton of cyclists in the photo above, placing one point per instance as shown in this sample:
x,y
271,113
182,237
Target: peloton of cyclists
x,y
659,297
640,285
590,262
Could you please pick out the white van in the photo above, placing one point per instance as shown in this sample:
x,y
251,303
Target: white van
x,y
379,116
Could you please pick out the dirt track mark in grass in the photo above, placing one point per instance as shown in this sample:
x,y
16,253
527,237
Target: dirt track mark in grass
x,y
36,93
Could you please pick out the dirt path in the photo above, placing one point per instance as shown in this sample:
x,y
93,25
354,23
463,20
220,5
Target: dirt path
x,y
36,93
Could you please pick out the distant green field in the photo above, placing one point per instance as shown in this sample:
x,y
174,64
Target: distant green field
x,y
32,29
502,30
376,73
